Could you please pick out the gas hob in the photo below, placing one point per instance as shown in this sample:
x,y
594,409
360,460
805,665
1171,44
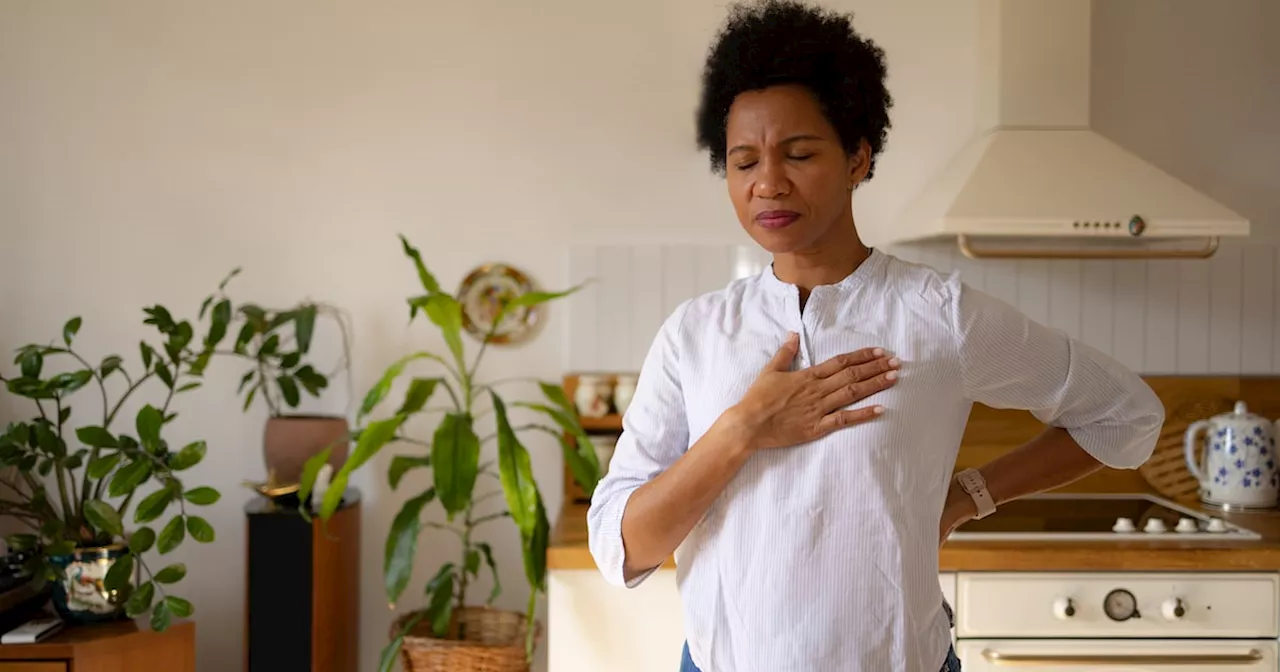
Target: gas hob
x,y
1099,517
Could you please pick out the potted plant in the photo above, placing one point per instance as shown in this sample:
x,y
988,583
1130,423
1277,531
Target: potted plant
x,y
277,346
449,632
72,475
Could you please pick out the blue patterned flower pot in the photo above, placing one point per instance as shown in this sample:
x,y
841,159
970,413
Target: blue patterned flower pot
x,y
79,595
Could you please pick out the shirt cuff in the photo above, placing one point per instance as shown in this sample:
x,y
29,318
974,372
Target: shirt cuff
x,y
606,542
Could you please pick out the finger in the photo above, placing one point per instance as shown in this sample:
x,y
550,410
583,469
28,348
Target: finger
x,y
859,373
841,419
786,354
841,362
851,394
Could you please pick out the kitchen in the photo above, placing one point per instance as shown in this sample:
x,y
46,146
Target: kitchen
x,y
1124,569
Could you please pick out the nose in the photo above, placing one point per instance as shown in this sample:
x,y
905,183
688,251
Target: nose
x,y
771,180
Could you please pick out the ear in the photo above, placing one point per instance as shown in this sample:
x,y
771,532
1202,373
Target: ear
x,y
859,164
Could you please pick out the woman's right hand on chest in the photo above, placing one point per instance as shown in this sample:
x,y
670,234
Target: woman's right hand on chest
x,y
784,408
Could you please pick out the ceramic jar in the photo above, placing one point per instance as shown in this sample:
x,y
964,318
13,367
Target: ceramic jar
x,y
604,445
1238,469
80,594
623,391
592,396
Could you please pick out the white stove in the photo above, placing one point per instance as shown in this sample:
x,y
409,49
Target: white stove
x,y
1112,621
1100,517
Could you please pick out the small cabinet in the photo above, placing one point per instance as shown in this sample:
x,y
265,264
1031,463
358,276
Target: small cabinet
x,y
110,646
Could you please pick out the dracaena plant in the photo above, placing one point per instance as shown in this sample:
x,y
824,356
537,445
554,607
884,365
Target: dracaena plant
x,y
73,472
469,415
276,344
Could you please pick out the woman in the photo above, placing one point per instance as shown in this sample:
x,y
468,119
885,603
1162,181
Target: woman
x,y
792,437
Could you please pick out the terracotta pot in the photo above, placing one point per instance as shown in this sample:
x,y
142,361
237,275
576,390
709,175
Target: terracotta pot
x,y
290,440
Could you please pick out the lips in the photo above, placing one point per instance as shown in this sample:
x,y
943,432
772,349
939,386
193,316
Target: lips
x,y
776,219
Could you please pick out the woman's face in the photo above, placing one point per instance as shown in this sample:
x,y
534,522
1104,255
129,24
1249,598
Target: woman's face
x,y
788,175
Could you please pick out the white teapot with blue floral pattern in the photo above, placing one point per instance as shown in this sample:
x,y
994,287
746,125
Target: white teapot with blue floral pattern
x,y
1239,468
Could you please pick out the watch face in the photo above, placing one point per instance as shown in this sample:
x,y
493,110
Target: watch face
x,y
1120,605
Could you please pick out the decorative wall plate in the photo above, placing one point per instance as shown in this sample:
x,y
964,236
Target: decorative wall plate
x,y
482,293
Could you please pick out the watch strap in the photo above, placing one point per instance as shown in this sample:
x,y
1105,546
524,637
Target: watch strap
x,y
972,482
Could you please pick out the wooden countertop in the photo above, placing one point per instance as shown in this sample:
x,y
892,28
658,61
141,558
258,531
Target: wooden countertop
x,y
568,550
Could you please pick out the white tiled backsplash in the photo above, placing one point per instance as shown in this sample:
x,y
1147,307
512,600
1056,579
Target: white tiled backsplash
x,y
1186,317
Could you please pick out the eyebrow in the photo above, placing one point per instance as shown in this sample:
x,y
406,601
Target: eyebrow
x,y
794,138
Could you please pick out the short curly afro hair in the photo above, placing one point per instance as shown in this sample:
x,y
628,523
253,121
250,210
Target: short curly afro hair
x,y
772,42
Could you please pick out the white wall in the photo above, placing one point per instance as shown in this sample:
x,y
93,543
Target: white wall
x,y
147,146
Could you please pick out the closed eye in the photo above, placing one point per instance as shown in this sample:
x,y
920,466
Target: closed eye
x,y
801,158
745,166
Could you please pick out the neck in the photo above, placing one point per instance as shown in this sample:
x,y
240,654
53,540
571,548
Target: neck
x,y
829,261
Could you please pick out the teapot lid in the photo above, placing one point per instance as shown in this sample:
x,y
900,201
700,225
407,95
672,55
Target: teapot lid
x,y
1240,412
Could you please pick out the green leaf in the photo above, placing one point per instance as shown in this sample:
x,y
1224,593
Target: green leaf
x,y
171,536
128,477
142,540
203,496
70,329
269,346
555,394
189,456
195,384
380,389
21,542
583,461
179,607
31,363
534,548
419,392
428,281
304,326
440,600
147,353
140,601
160,617
200,529
531,299
310,470
153,506
446,313
516,472
120,575
46,467
455,454
288,390
313,381
234,272
218,323
148,423
402,545
400,464
164,374
109,365
102,517
487,552
66,383
171,574
76,460
244,338
372,439
389,653
244,380
248,399
97,437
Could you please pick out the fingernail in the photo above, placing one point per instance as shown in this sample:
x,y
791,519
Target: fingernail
x,y
877,352
878,410
892,375
895,361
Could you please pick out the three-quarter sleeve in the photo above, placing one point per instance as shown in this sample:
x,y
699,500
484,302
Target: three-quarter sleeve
x,y
1008,360
655,433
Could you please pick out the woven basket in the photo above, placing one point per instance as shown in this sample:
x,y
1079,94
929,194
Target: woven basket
x,y
491,640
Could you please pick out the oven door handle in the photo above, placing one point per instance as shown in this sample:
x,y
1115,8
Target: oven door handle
x,y
1033,659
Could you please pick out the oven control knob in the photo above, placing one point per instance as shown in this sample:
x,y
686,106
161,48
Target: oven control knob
x,y
1064,608
1122,525
1216,525
1173,609
1155,526
1187,525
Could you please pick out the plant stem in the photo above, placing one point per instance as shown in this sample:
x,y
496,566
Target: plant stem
x,y
111,417
492,516
93,452
70,511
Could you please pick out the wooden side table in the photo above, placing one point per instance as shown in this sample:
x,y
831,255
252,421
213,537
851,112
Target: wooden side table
x,y
110,647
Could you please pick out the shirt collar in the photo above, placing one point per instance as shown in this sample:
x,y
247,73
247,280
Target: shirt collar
x,y
859,275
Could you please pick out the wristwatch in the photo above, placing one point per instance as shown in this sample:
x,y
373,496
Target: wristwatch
x,y
972,482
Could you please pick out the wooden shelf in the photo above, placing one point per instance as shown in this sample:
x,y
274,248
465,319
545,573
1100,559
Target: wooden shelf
x,y
609,424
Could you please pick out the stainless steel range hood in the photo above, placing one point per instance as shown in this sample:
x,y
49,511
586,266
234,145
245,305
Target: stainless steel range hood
x,y
1038,182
